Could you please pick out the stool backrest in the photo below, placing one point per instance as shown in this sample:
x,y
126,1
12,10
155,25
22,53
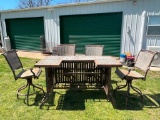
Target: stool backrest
x,y
94,50
13,61
66,50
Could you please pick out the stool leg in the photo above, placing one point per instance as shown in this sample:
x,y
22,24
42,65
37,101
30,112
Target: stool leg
x,y
29,81
138,91
41,89
119,87
128,91
27,97
29,84
21,88
129,85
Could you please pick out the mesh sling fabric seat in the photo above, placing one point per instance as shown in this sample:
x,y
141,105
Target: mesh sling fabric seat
x,y
66,50
94,50
142,64
16,66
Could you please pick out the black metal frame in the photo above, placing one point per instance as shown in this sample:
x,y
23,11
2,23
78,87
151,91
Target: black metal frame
x,y
15,64
129,79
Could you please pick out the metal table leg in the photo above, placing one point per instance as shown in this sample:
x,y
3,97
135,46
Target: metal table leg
x,y
49,84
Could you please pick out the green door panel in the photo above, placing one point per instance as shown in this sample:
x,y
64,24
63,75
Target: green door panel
x,y
25,33
103,29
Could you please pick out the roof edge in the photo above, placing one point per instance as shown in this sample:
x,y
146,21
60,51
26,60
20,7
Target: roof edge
x,y
61,5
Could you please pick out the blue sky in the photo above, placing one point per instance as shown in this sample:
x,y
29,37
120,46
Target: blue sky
x,y
13,4
8,4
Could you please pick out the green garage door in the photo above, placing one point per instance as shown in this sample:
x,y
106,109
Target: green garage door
x,y
25,33
103,29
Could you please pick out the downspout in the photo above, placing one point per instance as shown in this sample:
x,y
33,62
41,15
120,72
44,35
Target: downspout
x,y
143,21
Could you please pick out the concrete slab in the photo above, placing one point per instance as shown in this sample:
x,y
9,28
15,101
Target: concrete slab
x,y
36,55
155,68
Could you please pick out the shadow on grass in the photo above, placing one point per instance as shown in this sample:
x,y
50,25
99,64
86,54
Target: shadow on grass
x,y
152,100
75,99
34,100
39,97
49,102
135,101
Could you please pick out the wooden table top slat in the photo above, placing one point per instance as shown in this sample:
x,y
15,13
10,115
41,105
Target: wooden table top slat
x,y
100,61
108,62
49,62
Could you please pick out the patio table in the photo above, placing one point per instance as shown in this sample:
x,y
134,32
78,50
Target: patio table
x,y
77,70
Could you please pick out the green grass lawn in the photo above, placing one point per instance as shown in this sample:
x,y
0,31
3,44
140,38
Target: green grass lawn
x,y
79,104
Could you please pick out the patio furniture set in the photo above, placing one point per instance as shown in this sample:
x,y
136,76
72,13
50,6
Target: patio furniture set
x,y
92,71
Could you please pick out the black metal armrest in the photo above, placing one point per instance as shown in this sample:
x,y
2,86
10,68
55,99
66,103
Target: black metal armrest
x,y
31,69
36,74
122,73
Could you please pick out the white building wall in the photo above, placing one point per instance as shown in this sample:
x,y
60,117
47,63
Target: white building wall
x,y
134,17
1,29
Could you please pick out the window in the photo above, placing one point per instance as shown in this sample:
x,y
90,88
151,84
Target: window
x,y
153,26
